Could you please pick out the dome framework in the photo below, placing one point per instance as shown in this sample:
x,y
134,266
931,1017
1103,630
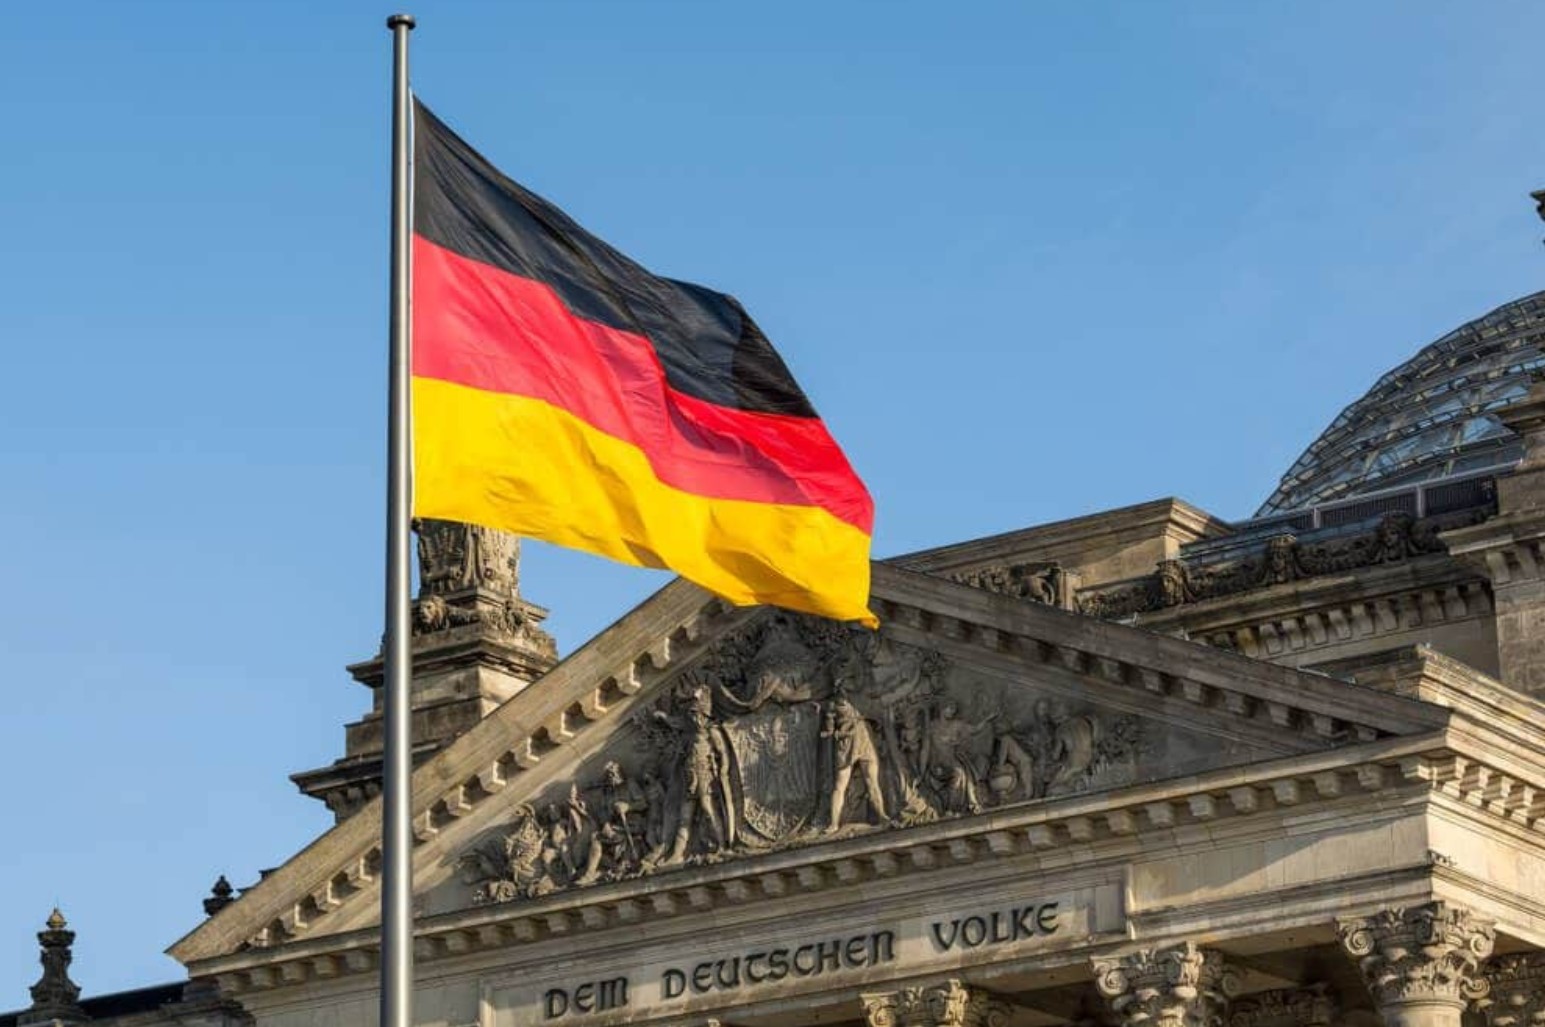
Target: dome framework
x,y
1432,417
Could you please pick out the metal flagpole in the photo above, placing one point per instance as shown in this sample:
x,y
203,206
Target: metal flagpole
x,y
396,837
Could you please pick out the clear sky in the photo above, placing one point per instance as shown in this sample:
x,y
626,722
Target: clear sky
x,y
1030,260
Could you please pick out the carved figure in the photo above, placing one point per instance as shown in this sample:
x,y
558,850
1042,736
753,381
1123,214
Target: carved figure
x,y
516,865
1174,588
1279,564
1392,538
432,613
853,749
951,763
1072,750
617,832
705,791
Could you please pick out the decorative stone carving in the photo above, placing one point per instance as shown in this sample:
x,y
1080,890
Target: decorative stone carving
x,y
1180,986
1517,991
469,578
1037,582
55,997
1424,954
948,1004
1291,1007
793,729
454,556
1281,559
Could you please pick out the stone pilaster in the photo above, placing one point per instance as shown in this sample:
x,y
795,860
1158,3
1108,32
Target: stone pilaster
x,y
946,1004
1510,549
1422,965
1517,991
1179,986
55,998
1291,1007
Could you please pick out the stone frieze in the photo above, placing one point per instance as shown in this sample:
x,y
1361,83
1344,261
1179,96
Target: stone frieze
x,y
792,730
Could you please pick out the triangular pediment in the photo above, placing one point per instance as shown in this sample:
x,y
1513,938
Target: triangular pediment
x,y
692,737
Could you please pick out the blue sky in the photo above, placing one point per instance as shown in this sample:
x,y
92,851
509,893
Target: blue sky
x,y
1030,260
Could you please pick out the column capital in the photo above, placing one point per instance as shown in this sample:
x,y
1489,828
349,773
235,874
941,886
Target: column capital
x,y
1179,986
949,1003
1313,1006
1427,954
1517,991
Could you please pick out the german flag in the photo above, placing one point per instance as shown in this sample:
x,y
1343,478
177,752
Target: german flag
x,y
562,392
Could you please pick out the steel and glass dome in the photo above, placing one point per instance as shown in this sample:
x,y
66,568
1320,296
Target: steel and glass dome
x,y
1432,417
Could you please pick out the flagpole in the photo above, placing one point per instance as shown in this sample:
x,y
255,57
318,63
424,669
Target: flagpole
x,y
397,758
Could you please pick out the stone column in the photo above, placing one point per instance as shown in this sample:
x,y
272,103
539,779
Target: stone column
x,y
946,1004
1422,965
1517,997
1179,986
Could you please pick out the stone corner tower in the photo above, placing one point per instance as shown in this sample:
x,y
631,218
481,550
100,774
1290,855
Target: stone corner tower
x,y
476,643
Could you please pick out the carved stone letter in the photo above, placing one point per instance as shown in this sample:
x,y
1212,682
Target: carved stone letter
x,y
1422,964
1180,986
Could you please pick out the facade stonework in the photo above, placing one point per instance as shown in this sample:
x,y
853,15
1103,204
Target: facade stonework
x,y
1144,768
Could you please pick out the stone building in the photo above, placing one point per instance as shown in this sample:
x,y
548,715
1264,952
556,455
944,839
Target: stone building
x,y
1146,768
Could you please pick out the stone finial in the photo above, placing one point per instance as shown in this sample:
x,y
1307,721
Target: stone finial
x,y
1517,991
1428,954
947,1004
221,894
1290,1007
55,997
1179,986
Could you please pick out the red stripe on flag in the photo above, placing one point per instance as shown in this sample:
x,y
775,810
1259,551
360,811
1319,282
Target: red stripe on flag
x,y
485,328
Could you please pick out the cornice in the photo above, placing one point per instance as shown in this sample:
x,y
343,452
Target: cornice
x,y
1168,518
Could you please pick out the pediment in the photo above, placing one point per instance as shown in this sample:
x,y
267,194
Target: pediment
x,y
692,736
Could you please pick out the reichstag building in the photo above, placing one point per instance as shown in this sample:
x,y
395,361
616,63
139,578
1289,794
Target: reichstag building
x,y
1144,768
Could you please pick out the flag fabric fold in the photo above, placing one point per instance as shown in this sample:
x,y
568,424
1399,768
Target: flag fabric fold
x,y
564,393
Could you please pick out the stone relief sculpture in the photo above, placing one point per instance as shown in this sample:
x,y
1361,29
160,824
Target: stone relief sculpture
x,y
1037,582
791,730
453,556
469,578
1281,559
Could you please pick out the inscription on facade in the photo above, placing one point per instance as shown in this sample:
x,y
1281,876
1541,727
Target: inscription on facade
x,y
996,928
781,961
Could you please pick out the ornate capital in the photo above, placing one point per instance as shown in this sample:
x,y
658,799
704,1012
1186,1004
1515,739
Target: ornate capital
x,y
1517,991
948,1004
1292,1007
1427,953
1180,986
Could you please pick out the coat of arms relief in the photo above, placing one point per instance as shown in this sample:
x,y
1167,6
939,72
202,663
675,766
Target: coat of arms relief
x,y
793,730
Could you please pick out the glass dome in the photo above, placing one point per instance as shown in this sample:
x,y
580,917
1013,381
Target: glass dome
x,y
1432,417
